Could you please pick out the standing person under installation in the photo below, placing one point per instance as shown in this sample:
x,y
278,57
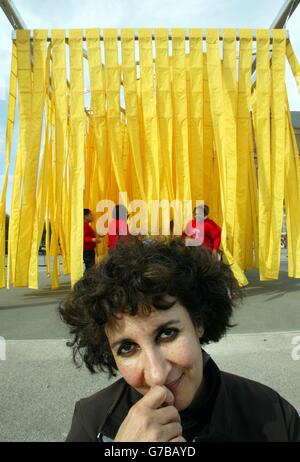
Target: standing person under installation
x,y
203,228
90,240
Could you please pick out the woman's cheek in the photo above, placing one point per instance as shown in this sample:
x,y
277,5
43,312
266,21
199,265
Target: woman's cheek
x,y
129,372
185,352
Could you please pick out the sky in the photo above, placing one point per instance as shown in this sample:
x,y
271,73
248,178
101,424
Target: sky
x,y
68,14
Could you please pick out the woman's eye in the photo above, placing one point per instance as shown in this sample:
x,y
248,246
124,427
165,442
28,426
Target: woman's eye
x,y
168,334
126,349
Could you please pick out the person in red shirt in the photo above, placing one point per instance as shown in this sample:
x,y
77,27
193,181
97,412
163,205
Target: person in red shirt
x,y
90,240
205,228
118,227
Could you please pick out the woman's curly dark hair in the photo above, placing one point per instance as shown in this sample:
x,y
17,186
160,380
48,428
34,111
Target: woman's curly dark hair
x,y
140,275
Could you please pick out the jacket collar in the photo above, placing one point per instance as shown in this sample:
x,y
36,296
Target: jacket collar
x,y
124,400
220,426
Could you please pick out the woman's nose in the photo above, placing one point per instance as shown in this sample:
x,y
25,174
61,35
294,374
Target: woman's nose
x,y
156,368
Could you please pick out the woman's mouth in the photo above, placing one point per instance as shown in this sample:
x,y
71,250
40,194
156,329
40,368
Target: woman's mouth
x,y
174,384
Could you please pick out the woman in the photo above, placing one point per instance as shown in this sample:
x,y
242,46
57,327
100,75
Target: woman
x,y
145,312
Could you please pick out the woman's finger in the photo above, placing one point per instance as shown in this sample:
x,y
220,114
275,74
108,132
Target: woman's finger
x,y
170,431
167,415
156,397
178,439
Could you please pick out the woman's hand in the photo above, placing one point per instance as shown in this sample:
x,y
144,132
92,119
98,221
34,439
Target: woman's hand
x,y
153,419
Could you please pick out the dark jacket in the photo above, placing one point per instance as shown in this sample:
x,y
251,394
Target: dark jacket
x,y
244,410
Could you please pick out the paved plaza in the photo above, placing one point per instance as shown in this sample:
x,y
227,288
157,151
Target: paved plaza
x,y
40,385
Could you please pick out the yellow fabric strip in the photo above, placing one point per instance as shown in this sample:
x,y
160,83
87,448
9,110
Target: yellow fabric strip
x,y
113,80
151,142
218,108
180,117
263,94
39,219
209,179
91,191
253,180
65,223
94,191
23,68
215,209
52,192
8,143
129,171
53,242
230,101
25,94
77,120
65,231
278,121
11,104
88,166
196,115
215,85
98,115
50,183
14,219
59,79
96,174
164,112
252,252
95,166
89,163
243,209
293,62
31,118
132,110
130,175
47,225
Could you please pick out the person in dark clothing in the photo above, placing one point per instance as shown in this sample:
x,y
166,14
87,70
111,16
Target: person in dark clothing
x,y
90,240
146,311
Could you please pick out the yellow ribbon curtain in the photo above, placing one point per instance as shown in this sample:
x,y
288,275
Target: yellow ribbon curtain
x,y
165,120
9,135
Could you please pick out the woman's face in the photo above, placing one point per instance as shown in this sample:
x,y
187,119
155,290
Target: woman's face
x,y
162,348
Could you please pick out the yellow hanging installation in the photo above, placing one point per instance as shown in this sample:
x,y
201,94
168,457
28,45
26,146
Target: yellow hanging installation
x,y
158,115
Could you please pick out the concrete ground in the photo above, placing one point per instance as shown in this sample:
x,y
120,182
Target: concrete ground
x,y
40,385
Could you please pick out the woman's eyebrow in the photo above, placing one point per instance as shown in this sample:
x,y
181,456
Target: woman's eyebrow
x,y
166,325
158,329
